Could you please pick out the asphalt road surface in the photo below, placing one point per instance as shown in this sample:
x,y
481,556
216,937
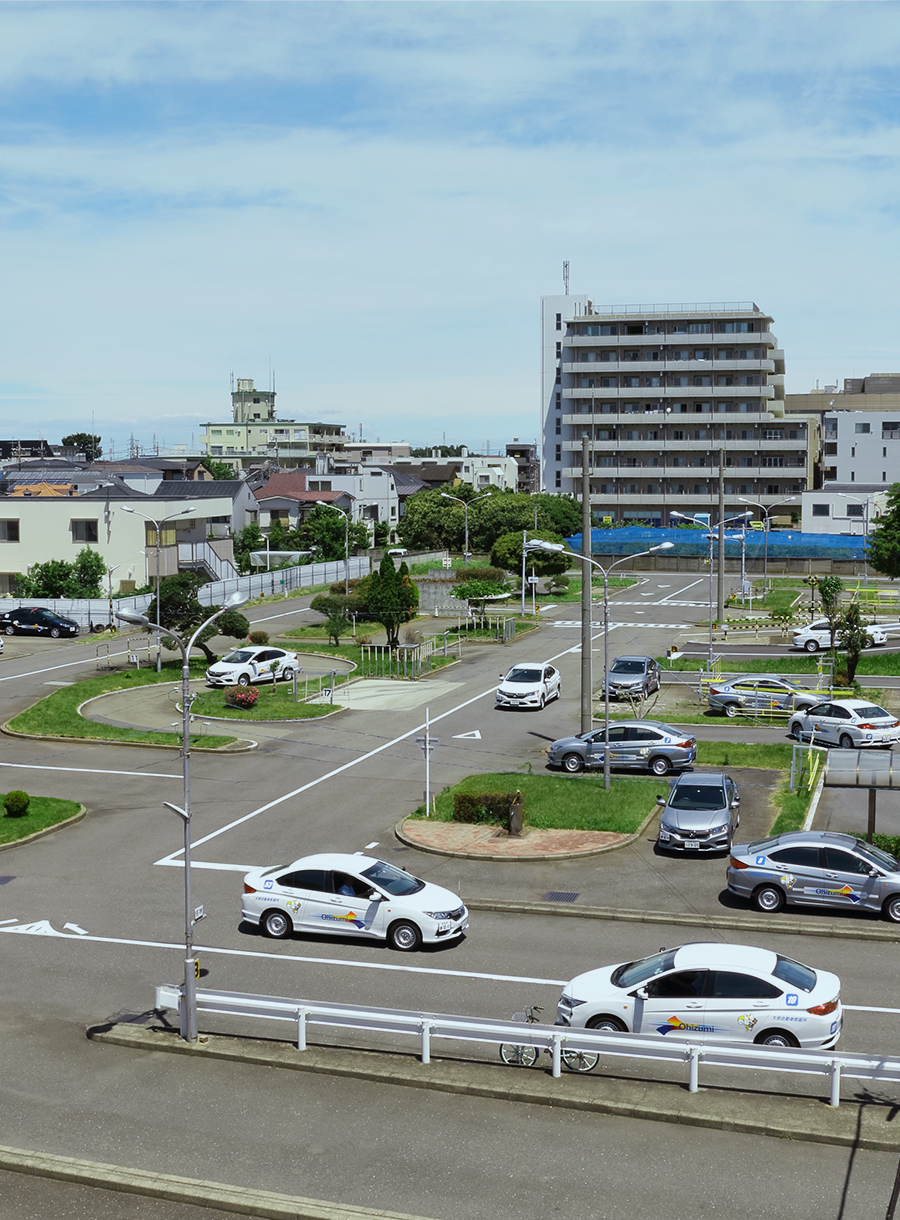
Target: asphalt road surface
x,y
116,880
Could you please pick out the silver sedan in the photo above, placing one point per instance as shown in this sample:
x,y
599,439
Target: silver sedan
x,y
634,744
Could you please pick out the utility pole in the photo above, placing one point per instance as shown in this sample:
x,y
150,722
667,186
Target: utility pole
x,y
720,584
586,670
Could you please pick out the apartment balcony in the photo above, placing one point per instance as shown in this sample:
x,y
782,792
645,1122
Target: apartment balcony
x,y
611,368
665,392
688,445
763,338
689,474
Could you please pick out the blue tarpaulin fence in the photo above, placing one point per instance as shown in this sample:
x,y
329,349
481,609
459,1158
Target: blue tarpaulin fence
x,y
783,544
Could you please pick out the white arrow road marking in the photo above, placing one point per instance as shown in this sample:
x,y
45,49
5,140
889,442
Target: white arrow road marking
x,y
475,735
75,928
41,928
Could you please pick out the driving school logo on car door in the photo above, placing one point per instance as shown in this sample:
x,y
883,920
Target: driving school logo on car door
x,y
844,892
350,917
676,1023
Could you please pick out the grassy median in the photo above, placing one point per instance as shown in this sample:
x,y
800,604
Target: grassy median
x,y
43,811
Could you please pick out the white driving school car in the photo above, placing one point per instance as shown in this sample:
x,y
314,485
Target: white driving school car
x,y
735,993
529,684
352,895
247,666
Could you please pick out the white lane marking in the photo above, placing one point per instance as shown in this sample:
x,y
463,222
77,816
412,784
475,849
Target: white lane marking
x,y
374,843
33,673
863,1008
475,735
217,868
43,928
90,770
16,920
57,682
75,928
287,614
683,589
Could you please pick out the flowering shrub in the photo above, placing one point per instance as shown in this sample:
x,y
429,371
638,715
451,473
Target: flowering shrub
x,y
241,696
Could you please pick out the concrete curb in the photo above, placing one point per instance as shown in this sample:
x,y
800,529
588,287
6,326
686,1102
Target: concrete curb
x,y
48,830
555,855
717,920
235,748
723,1108
244,1201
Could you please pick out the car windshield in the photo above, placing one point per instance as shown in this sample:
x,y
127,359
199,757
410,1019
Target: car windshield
x,y
877,856
795,974
633,973
524,675
236,658
870,710
627,667
394,880
697,796
762,846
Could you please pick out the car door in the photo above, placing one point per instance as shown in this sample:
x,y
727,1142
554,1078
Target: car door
x,y
848,882
799,871
654,678
642,742
671,1003
263,662
822,724
736,1004
344,907
294,891
29,623
597,745
733,798
551,681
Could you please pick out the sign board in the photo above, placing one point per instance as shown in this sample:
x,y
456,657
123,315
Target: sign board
x,y
533,580
427,747
607,523
447,563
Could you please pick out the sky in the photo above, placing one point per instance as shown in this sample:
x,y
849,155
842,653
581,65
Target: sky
x,y
371,198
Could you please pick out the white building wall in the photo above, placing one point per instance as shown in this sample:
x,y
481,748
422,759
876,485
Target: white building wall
x,y
832,511
861,447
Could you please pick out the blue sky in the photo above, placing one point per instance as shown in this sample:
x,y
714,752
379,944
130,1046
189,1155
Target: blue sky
x,y
374,196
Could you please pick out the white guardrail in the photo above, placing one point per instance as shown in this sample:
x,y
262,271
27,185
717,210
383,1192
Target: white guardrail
x,y
427,1026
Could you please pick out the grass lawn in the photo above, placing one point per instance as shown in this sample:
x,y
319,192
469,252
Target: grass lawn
x,y
562,802
872,663
770,755
277,705
43,811
57,715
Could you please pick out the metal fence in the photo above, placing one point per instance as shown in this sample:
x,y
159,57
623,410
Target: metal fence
x,y
406,661
427,1026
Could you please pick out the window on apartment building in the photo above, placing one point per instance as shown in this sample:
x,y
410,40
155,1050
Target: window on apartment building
x,y
9,531
559,427
890,430
795,434
773,434
678,435
829,473
559,321
699,328
884,476
701,434
558,479
699,461
215,431
727,379
84,531
215,450
652,461
855,510
702,381
558,401
679,381
631,382
773,489
677,460
884,452
735,328
607,356
631,434
698,489
862,428
852,476
605,459
319,485
558,376
748,353
771,461
631,354
749,407
634,328
558,350
679,353
652,489
654,381
821,510
608,383
631,489
559,453
725,353
702,353
853,451
652,355
748,434
748,379
746,461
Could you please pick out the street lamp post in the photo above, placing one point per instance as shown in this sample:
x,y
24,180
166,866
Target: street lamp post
x,y
865,503
465,504
767,512
188,1015
556,546
182,512
711,537
346,515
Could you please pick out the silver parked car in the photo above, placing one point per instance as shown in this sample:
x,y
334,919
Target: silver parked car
x,y
701,814
760,692
635,744
852,724
632,676
816,868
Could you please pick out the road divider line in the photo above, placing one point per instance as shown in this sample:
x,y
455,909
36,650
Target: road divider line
x,y
92,771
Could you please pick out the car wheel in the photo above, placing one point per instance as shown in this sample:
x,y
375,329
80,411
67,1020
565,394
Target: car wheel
x,y
794,731
891,908
776,1037
9,629
559,691
811,646
768,898
846,742
541,704
243,680
573,763
288,675
607,1025
730,710
276,925
870,643
659,765
54,631
404,936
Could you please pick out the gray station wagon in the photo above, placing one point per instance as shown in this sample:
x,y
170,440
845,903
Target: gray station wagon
x,y
816,868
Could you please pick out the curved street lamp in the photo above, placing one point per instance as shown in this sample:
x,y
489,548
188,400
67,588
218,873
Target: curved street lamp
x,y
188,1012
465,504
158,524
711,536
767,512
346,515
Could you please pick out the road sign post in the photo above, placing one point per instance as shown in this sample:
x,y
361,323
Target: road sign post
x,y
427,744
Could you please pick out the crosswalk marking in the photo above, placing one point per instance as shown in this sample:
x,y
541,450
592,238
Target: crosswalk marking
x,y
618,623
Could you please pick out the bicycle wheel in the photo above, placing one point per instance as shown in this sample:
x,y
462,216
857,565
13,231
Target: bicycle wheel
x,y
518,1056
580,1061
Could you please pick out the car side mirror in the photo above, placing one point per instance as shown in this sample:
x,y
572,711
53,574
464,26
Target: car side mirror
x,y
873,872
374,896
641,994
660,800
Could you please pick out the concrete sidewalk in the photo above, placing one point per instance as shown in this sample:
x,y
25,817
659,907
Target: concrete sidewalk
x,y
863,1120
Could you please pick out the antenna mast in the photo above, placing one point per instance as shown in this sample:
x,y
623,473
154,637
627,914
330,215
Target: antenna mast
x,y
566,276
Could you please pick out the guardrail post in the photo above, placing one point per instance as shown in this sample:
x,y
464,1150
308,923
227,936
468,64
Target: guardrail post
x,y
557,1055
301,1029
426,1041
693,1069
835,1067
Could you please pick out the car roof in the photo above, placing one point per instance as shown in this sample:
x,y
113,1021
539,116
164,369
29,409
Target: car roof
x,y
716,778
816,836
852,703
334,859
725,957
760,678
530,664
631,656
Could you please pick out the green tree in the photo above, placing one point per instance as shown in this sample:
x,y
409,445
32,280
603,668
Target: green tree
x,y
853,637
219,470
507,553
323,530
830,590
83,442
88,572
59,578
883,544
181,611
381,534
250,538
392,598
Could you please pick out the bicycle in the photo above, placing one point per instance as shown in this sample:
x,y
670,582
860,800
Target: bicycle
x,y
527,1056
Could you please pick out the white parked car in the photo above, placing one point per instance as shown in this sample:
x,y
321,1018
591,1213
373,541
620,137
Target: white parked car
x,y
529,684
817,635
715,992
352,896
248,666
852,724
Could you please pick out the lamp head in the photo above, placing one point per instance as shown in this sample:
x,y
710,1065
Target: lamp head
x,y
235,599
132,616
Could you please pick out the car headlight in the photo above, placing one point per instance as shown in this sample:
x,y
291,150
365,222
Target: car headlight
x,y
438,914
719,830
569,1001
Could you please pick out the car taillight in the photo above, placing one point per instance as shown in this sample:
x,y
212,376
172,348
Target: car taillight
x,y
685,745
822,1010
734,863
874,726
716,690
248,889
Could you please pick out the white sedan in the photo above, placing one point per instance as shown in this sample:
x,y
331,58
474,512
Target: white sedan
x,y
852,724
818,635
717,992
247,666
528,684
352,896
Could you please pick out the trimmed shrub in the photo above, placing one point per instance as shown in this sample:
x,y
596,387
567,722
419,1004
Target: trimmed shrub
x,y
495,575
483,808
16,803
259,637
241,696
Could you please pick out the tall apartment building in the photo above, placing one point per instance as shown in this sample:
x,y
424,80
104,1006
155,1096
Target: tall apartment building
x,y
659,390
